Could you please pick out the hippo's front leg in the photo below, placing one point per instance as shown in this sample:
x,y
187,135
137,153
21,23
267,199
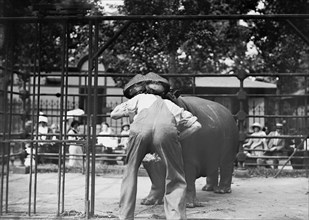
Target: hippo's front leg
x,y
191,200
157,172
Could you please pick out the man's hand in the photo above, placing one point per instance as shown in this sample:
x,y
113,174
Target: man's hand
x,y
189,131
119,111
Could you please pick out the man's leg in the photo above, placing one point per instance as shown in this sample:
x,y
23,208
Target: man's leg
x,y
136,153
267,153
275,163
175,195
260,162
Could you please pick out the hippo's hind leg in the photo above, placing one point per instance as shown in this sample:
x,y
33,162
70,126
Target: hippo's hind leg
x,y
224,185
227,163
226,173
157,172
211,181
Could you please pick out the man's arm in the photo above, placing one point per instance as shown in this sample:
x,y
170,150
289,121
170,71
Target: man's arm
x,y
119,111
280,145
126,108
190,130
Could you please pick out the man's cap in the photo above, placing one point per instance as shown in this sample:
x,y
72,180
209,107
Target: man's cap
x,y
157,78
149,77
138,78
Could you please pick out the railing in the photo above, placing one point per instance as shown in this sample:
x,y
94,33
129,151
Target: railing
x,y
297,153
294,155
52,108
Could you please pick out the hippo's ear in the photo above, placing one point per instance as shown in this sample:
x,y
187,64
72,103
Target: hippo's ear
x,y
176,93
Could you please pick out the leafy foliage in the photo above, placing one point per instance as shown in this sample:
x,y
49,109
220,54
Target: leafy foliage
x,y
173,46
205,46
279,46
184,46
49,36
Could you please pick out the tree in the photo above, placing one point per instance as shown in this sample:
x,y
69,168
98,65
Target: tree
x,y
30,43
204,46
279,46
175,46
183,46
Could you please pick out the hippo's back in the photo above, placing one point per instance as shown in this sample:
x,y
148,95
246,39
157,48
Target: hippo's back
x,y
216,142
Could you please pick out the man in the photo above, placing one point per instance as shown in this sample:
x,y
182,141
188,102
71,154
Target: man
x,y
154,129
276,145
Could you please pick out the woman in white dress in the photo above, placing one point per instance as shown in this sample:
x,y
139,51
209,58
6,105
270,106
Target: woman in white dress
x,y
74,148
258,144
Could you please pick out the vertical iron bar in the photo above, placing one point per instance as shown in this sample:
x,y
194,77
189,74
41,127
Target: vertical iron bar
x,y
306,154
85,107
6,71
61,110
89,119
241,109
94,121
33,108
9,146
67,36
37,117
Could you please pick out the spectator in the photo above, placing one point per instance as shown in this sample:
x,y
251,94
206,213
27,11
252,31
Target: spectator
x,y
55,130
22,153
125,130
55,145
74,148
43,129
26,150
256,146
300,146
27,159
266,130
276,145
108,143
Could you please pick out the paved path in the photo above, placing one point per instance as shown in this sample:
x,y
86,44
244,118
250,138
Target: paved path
x,y
252,198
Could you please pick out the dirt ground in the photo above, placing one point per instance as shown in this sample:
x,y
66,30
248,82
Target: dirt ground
x,y
251,198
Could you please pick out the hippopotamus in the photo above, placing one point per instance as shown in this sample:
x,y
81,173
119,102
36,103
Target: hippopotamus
x,y
209,152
